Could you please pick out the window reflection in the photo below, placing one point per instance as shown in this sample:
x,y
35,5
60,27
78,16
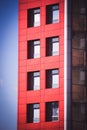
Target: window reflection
x,y
33,80
36,83
52,14
52,46
37,51
36,116
33,49
55,50
78,76
36,20
52,111
55,16
33,17
33,113
55,81
55,111
52,78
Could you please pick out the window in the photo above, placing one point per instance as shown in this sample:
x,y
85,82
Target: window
x,y
79,111
82,10
33,49
82,43
52,46
33,113
78,76
52,111
33,80
82,75
52,14
52,78
34,17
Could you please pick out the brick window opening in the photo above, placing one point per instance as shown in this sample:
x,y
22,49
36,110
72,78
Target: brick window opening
x,y
78,76
52,78
52,14
52,111
33,49
33,80
33,17
52,46
33,113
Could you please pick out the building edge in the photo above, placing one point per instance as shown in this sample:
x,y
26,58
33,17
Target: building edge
x,y
67,65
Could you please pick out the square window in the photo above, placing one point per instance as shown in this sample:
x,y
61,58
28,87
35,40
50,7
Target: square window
x,y
33,49
33,17
52,14
52,46
33,113
33,80
82,10
52,111
52,78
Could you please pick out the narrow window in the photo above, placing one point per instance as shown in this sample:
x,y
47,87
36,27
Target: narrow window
x,y
34,17
52,46
82,43
55,14
52,78
52,14
52,111
33,49
82,75
33,113
33,80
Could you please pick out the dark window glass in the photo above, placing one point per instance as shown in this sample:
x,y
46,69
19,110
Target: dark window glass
x,y
52,46
78,76
52,78
33,113
34,17
33,49
52,14
52,111
33,80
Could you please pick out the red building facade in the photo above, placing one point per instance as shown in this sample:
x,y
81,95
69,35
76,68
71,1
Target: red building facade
x,y
41,65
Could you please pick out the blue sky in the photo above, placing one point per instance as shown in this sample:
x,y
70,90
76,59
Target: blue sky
x,y
8,64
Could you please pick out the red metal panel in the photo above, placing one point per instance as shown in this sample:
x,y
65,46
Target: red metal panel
x,y
42,64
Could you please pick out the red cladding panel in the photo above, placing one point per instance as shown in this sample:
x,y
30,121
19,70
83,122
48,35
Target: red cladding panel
x,y
40,64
